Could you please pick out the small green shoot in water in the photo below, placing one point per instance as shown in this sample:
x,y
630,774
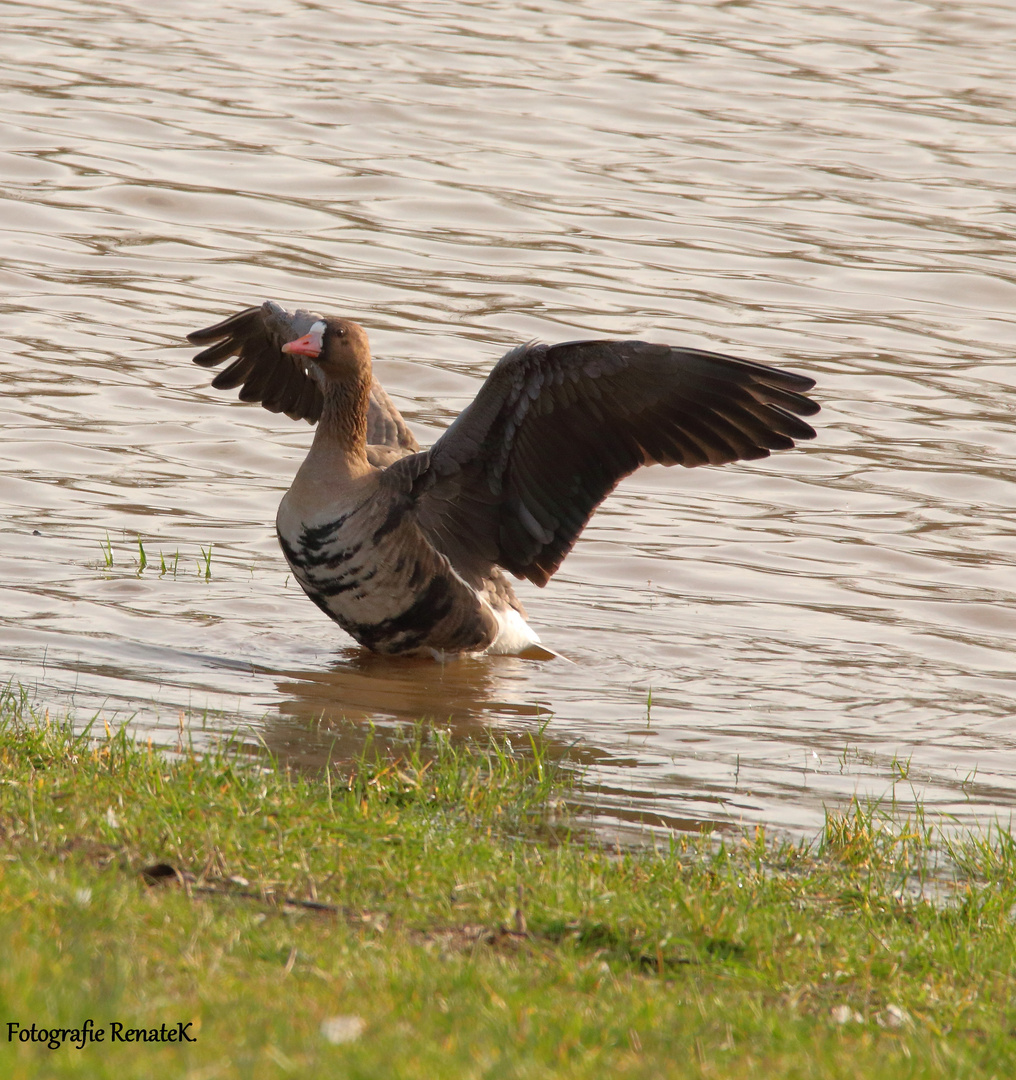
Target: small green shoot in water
x,y
170,566
207,556
165,568
900,769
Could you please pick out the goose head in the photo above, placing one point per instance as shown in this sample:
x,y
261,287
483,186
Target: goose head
x,y
335,351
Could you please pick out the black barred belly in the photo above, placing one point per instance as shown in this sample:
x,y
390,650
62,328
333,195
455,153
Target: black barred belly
x,y
390,598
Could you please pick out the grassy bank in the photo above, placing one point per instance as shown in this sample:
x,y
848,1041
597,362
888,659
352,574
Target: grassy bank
x,y
431,916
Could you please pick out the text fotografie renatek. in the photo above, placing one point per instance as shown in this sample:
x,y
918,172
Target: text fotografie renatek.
x,y
89,1032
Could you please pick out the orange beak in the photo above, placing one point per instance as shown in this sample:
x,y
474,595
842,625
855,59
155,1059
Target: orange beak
x,y
309,345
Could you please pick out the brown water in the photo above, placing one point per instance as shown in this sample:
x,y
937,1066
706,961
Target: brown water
x,y
825,187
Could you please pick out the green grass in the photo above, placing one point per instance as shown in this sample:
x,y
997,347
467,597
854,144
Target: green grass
x,y
438,903
167,564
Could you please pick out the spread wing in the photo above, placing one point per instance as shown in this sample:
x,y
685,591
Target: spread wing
x,y
516,477
281,383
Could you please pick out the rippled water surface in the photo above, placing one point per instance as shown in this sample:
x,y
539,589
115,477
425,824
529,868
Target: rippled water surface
x,y
825,187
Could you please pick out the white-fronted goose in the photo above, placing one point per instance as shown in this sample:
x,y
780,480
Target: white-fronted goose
x,y
406,550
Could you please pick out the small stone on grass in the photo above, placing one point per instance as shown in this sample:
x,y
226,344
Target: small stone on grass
x,y
844,1014
343,1029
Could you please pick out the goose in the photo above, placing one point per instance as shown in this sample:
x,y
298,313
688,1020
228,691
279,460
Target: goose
x,y
409,550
